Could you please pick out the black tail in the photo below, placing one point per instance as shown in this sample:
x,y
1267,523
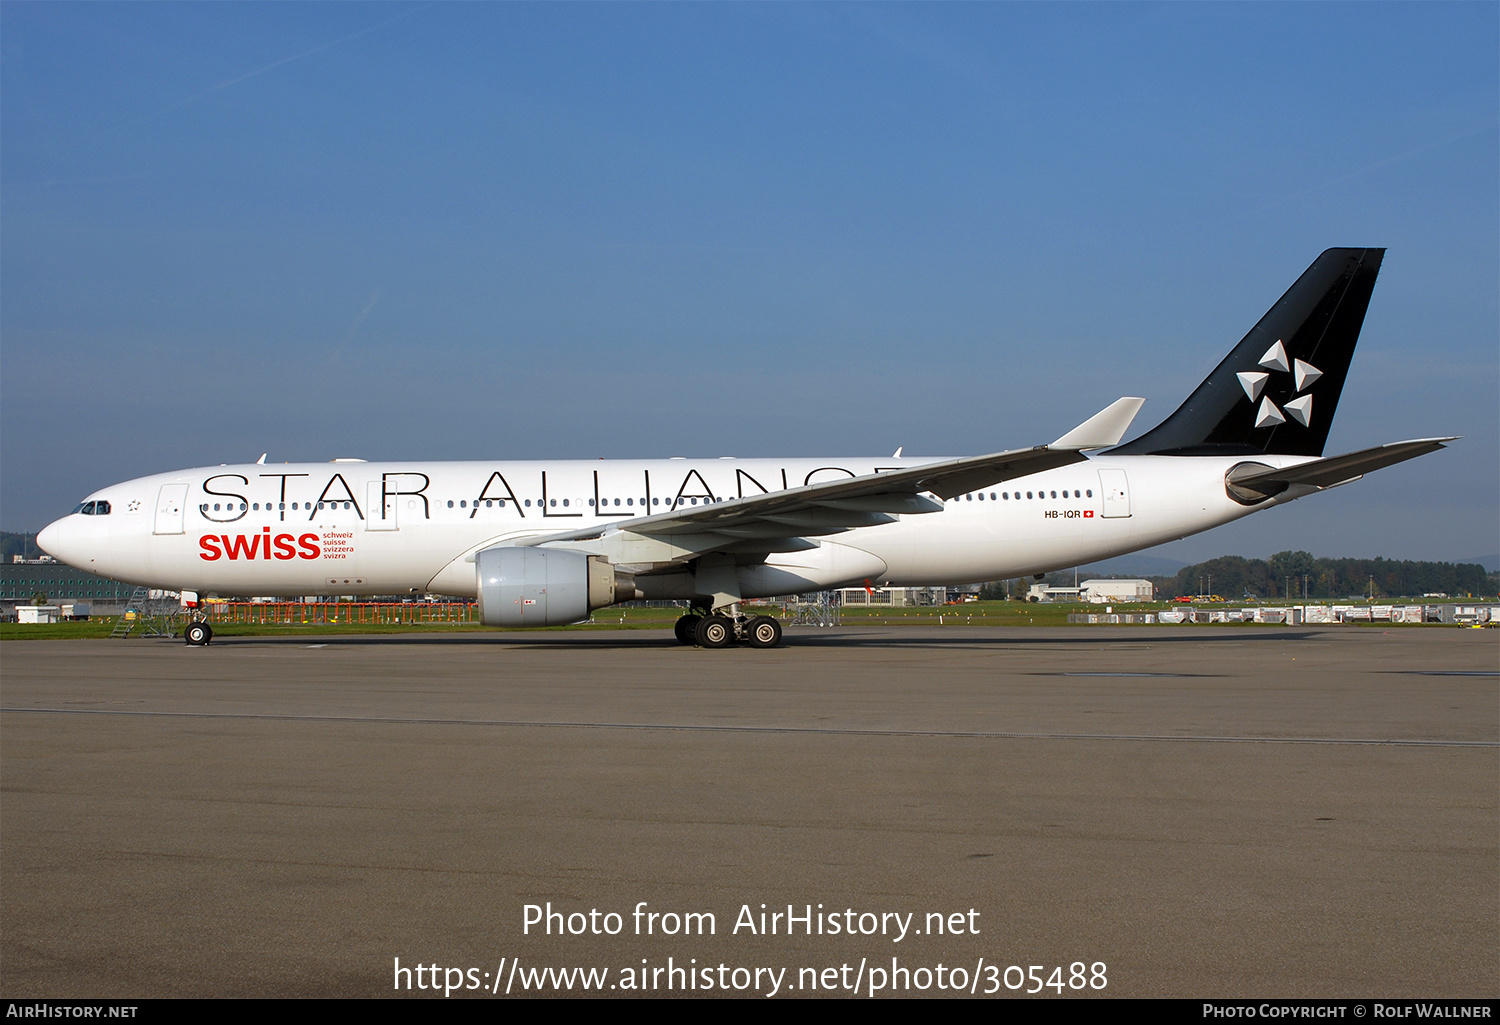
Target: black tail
x,y
1276,392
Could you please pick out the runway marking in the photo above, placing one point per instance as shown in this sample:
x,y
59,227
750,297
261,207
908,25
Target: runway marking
x,y
705,728
1445,672
1193,675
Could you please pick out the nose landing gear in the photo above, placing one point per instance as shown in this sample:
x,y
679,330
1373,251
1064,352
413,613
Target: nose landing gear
x,y
197,634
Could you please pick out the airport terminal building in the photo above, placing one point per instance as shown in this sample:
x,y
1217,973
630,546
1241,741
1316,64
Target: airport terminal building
x,y
19,580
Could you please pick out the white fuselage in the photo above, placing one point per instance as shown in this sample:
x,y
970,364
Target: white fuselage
x,y
304,529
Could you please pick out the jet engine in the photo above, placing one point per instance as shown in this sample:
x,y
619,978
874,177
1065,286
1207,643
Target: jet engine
x,y
546,587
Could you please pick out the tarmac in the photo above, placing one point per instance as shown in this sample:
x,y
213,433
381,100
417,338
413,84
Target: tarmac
x,y
1089,811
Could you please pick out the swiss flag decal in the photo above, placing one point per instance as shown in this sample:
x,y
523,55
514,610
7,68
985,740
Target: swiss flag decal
x,y
1088,514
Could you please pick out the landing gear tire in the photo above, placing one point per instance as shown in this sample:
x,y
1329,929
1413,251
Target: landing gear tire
x,y
715,632
198,634
686,629
764,632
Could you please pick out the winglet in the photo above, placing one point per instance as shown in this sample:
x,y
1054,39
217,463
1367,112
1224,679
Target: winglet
x,y
1104,428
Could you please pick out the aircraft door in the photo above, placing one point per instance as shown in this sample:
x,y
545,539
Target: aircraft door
x,y
1116,491
380,507
170,503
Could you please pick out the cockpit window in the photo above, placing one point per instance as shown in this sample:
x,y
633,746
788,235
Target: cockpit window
x,y
93,508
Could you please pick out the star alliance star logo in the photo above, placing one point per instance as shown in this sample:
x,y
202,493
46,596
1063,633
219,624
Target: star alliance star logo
x,y
1254,382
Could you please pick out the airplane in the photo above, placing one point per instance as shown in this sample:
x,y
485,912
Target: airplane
x,y
546,543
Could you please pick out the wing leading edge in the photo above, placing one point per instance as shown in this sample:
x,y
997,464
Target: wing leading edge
x,y
779,520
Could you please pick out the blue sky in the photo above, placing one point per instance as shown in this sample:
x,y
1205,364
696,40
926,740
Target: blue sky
x,y
580,230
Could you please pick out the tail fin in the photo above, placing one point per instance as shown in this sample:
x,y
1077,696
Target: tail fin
x,y
1277,390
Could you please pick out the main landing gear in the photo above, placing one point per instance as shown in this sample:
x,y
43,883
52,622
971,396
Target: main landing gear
x,y
720,631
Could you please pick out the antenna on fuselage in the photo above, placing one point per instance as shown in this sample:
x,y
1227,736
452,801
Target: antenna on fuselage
x,y
262,460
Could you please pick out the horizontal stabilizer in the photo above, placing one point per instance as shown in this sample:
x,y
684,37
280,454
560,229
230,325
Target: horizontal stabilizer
x,y
1104,428
1326,473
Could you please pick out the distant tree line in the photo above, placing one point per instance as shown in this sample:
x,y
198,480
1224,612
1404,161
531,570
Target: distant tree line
x,y
1288,575
999,590
18,544
1284,575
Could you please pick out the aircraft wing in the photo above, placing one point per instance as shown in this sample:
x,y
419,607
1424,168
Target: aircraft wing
x,y
830,507
1335,470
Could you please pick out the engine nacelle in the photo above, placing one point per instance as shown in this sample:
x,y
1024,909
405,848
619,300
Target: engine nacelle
x,y
545,586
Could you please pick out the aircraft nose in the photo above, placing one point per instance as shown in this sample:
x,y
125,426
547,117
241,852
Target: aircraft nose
x,y
53,539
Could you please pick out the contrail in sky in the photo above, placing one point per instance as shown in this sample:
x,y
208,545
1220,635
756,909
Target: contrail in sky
x,y
195,97
374,298
1445,140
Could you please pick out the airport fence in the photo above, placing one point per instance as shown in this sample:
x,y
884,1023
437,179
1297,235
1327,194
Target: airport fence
x,y
329,612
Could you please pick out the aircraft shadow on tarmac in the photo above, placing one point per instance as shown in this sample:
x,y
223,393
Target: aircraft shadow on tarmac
x,y
903,639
